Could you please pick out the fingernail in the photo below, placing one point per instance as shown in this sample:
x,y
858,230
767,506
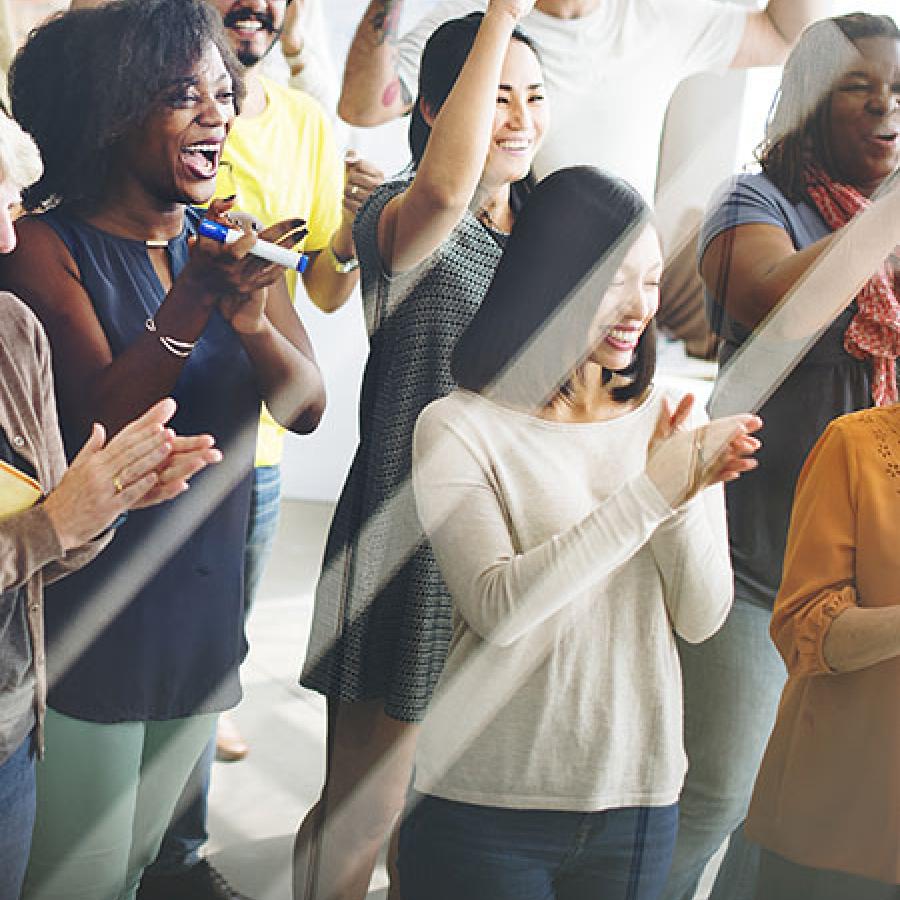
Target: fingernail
x,y
229,197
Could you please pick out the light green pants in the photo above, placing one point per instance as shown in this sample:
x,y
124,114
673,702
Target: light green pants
x,y
105,794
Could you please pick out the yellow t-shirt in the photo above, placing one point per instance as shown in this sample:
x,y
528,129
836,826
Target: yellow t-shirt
x,y
284,163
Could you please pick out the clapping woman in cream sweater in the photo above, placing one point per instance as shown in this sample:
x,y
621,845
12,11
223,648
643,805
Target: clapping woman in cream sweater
x,y
565,497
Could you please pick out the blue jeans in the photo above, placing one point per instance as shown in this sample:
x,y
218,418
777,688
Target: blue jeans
x,y
17,806
732,685
265,509
187,833
450,851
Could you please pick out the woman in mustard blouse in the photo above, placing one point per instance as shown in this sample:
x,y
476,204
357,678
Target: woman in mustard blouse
x,y
826,806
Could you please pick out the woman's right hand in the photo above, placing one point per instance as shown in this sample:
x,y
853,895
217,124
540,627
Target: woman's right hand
x,y
220,271
681,462
144,463
518,9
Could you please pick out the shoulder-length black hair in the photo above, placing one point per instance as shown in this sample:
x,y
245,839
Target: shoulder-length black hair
x,y
88,77
797,131
531,333
444,56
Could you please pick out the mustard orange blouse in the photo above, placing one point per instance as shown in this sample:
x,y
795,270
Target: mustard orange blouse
x,y
828,791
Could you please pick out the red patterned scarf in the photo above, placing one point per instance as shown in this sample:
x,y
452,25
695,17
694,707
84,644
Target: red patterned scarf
x,y
874,332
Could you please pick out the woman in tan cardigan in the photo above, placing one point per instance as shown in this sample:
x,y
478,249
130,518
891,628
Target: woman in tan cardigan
x,y
826,806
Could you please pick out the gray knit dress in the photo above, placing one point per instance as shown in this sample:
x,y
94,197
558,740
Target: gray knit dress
x,y
382,619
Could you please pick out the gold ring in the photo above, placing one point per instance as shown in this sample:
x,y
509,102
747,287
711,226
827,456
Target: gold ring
x,y
117,484
353,190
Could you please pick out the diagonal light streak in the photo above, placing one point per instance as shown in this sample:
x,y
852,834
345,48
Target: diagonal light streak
x,y
752,375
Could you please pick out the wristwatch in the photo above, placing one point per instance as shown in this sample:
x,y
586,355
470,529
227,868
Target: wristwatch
x,y
342,266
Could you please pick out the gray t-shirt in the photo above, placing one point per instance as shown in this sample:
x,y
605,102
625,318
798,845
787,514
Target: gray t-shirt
x,y
826,383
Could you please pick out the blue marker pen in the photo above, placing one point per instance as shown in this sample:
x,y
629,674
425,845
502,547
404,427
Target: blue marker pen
x,y
290,259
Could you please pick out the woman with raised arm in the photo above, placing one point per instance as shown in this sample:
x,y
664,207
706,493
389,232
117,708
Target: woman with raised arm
x,y
144,644
832,142
565,502
427,247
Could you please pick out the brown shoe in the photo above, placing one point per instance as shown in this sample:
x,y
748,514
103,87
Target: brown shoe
x,y
230,744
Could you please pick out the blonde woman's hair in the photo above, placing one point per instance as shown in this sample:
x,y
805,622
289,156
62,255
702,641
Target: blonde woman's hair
x,y
20,161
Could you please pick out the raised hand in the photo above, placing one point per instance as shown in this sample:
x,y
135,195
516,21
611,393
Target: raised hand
x,y
518,9
292,32
144,463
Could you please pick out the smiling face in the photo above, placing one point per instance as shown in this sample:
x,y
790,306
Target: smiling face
x,y
174,155
864,115
521,117
252,26
630,302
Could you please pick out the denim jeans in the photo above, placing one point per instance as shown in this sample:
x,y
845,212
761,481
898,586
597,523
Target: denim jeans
x,y
450,851
17,802
732,685
265,509
187,833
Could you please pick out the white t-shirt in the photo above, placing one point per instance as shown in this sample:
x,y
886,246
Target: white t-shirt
x,y
609,75
569,575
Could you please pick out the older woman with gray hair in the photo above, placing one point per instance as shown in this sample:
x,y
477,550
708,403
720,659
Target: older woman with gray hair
x,y
53,520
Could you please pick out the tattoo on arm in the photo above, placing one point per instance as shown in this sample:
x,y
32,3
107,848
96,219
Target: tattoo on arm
x,y
394,90
386,21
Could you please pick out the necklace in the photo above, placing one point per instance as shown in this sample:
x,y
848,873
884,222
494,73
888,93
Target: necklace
x,y
156,245
486,219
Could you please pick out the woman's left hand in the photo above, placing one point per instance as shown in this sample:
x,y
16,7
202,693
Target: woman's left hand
x,y
682,462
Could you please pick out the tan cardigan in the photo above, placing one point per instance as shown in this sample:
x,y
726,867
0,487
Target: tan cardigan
x,y
828,792
30,551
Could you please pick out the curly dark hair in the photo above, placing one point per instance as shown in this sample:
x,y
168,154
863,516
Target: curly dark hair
x,y
87,78
797,131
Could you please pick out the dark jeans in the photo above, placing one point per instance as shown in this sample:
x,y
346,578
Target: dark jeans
x,y
17,806
450,851
781,879
187,833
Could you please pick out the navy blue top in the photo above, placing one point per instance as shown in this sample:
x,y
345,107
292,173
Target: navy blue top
x,y
827,382
153,628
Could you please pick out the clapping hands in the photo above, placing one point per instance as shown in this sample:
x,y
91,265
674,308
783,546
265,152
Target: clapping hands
x,y
681,462
144,464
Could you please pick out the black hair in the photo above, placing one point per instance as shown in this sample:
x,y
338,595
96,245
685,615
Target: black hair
x,y
797,132
531,333
87,78
443,58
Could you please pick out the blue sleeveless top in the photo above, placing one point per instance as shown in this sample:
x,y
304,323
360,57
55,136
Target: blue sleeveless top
x,y
153,628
